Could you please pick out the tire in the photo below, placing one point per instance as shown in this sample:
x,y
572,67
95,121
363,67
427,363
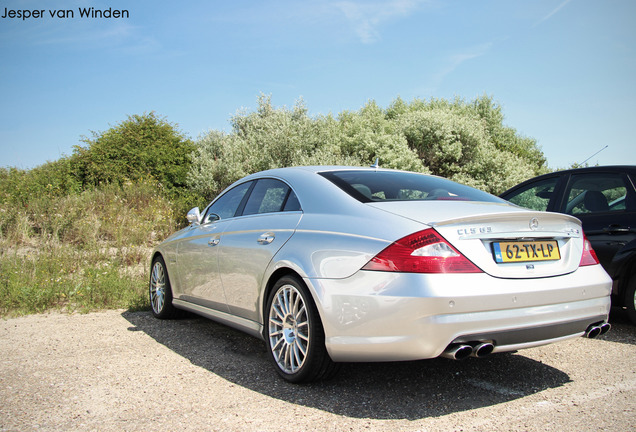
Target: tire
x,y
294,334
629,299
160,291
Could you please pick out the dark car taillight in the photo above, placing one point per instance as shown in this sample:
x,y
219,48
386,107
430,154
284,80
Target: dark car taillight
x,y
422,252
589,256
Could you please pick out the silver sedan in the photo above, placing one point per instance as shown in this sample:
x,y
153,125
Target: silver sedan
x,y
342,264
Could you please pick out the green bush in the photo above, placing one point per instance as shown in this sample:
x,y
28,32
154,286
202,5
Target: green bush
x,y
267,138
464,141
142,147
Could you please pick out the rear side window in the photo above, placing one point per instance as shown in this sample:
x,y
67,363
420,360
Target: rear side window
x,y
270,195
597,193
535,196
379,186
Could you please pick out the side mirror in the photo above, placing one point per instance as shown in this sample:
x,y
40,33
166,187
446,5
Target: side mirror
x,y
194,216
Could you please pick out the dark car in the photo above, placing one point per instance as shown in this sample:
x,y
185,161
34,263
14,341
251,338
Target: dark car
x,y
604,199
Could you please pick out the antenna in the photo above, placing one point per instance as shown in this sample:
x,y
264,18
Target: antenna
x,y
581,164
376,165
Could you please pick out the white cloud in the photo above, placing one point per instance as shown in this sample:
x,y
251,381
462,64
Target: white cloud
x,y
552,13
366,18
455,60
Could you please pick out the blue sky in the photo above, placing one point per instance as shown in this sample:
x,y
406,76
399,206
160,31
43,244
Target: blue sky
x,y
564,71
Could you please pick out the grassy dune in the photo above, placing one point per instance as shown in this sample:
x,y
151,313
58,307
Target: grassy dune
x,y
80,252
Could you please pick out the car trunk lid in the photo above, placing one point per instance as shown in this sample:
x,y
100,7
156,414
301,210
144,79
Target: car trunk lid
x,y
502,240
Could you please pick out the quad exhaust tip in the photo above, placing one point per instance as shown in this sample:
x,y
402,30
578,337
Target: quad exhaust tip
x,y
597,329
481,349
461,351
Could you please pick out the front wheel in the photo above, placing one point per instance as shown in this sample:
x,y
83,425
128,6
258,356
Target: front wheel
x,y
160,291
294,334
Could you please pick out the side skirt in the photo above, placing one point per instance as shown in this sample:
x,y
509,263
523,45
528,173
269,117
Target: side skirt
x,y
250,327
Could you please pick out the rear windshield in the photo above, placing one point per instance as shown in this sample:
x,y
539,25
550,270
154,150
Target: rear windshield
x,y
380,186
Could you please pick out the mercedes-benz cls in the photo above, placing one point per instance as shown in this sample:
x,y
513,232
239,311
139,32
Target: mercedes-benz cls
x,y
344,264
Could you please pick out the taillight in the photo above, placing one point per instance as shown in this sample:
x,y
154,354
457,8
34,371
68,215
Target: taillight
x,y
422,252
589,256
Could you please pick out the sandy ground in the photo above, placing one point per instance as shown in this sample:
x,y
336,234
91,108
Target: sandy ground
x,y
123,371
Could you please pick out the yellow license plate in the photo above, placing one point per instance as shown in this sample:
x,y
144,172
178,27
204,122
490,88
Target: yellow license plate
x,y
525,251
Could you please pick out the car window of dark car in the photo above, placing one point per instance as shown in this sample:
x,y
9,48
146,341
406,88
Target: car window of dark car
x,y
535,196
227,204
596,193
270,195
378,186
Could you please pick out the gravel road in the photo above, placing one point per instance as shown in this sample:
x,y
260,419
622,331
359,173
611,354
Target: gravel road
x,y
124,371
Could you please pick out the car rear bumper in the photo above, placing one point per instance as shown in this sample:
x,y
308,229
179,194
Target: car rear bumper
x,y
382,316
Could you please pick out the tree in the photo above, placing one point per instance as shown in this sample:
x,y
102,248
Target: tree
x,y
468,142
459,146
142,147
369,134
464,141
268,138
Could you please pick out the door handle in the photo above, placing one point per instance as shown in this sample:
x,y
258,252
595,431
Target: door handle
x,y
214,241
266,238
615,228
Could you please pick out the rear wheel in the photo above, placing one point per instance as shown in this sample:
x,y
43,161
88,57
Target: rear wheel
x,y
630,299
160,290
294,334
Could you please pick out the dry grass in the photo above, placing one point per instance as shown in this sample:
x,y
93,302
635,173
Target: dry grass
x,y
80,252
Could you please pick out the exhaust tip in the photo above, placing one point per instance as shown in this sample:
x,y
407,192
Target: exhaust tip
x,y
458,352
592,331
605,327
483,349
597,329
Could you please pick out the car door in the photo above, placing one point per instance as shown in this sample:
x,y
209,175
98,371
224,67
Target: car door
x,y
197,254
249,243
604,202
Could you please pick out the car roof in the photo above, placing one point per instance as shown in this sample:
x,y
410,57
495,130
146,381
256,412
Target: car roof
x,y
630,169
600,168
323,168
315,169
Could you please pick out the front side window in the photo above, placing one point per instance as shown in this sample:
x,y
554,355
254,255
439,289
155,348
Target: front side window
x,y
535,196
596,193
379,186
227,204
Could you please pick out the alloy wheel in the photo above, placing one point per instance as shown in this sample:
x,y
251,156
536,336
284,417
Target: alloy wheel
x,y
289,329
158,288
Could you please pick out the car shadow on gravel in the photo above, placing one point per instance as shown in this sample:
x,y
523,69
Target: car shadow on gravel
x,y
398,390
623,330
